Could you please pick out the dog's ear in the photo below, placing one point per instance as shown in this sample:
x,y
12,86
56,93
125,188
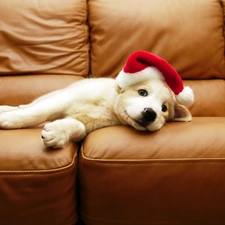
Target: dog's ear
x,y
181,113
119,89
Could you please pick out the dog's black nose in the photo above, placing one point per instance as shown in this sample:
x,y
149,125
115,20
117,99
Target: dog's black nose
x,y
149,115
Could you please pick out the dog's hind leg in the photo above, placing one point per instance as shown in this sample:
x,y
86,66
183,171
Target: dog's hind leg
x,y
59,132
33,114
7,108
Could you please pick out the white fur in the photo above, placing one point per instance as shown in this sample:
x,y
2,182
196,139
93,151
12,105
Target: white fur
x,y
91,104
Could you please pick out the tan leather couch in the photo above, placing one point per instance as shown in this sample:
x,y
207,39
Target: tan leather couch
x,y
116,175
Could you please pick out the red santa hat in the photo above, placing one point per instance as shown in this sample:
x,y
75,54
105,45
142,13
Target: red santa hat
x,y
143,65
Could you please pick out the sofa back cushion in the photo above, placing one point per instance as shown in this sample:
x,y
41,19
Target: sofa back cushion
x,y
189,34
44,37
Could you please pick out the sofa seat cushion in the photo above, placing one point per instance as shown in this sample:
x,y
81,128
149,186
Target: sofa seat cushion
x,y
37,185
16,90
173,176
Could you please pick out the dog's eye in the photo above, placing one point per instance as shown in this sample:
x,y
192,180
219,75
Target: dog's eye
x,y
142,92
164,108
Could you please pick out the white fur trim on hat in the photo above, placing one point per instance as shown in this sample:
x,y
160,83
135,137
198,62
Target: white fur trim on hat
x,y
127,79
186,97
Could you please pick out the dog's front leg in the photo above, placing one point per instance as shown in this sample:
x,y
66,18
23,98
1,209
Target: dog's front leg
x,y
59,132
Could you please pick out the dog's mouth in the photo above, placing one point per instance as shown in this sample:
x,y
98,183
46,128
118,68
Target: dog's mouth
x,y
141,122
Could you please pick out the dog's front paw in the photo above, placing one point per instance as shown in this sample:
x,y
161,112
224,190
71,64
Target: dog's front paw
x,y
54,136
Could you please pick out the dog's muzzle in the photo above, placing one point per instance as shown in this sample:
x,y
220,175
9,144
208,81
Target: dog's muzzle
x,y
148,116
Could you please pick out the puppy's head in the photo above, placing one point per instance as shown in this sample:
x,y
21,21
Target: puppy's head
x,y
149,105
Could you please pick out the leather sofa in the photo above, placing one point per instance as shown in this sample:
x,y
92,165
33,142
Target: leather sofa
x,y
117,175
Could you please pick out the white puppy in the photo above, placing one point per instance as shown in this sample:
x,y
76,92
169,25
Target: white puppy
x,y
91,104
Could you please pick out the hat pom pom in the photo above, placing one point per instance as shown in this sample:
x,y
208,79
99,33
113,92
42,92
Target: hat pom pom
x,y
186,97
